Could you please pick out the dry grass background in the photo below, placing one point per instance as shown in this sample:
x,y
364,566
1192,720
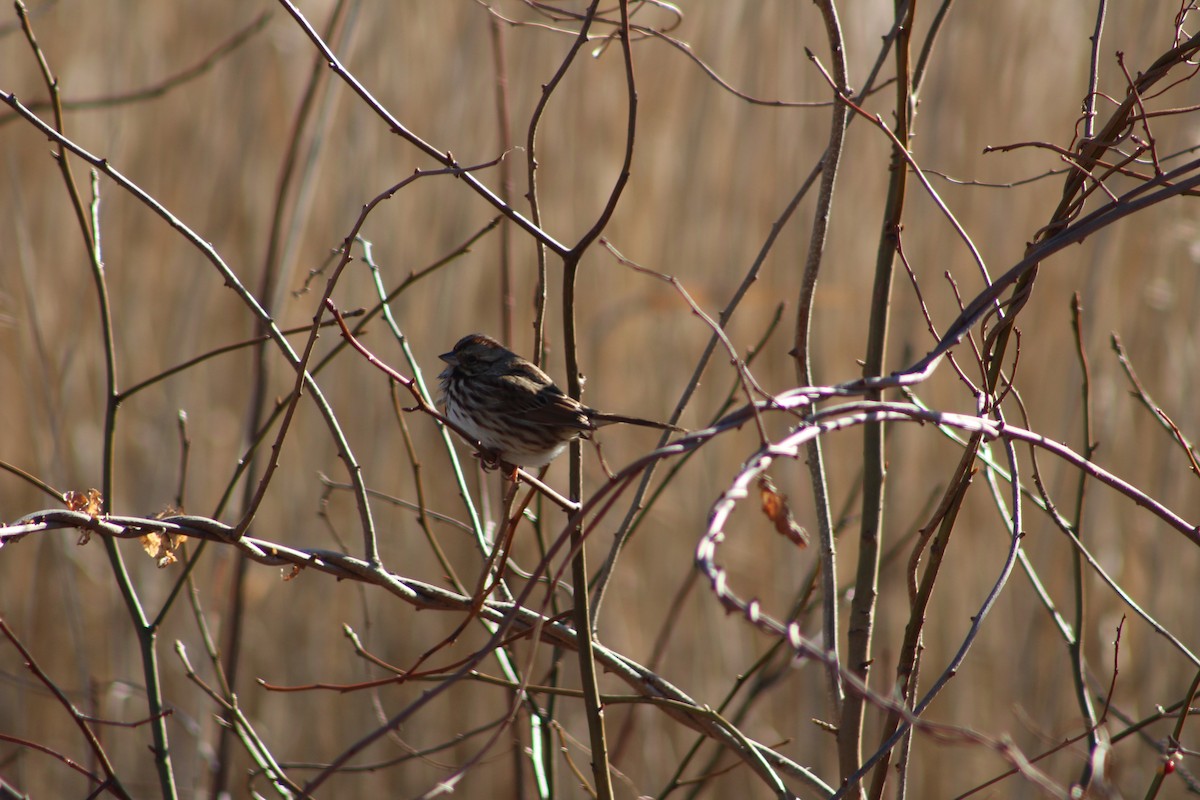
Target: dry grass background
x,y
711,173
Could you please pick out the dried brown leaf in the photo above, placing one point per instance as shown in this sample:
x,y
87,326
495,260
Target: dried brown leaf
x,y
89,502
161,546
775,506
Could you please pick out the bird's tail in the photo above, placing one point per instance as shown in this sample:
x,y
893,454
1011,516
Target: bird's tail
x,y
600,418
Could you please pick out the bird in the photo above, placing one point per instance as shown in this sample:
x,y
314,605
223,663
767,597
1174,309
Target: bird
x,y
513,408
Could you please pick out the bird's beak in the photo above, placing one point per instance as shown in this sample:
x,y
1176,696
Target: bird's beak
x,y
449,358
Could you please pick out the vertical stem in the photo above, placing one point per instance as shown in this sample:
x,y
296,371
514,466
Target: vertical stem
x,y
581,614
862,609
1078,578
147,634
803,354
504,127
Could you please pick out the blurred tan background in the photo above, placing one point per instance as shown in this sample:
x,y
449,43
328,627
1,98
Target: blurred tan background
x,y
711,174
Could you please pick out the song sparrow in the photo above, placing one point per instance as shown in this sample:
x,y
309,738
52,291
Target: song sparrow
x,y
513,408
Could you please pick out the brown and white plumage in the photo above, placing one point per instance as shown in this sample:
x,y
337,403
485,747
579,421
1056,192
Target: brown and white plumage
x,y
512,407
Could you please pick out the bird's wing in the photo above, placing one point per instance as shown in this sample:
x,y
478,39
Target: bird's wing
x,y
543,403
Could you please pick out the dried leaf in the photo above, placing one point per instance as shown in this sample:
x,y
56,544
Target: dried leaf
x,y
774,505
161,546
89,503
